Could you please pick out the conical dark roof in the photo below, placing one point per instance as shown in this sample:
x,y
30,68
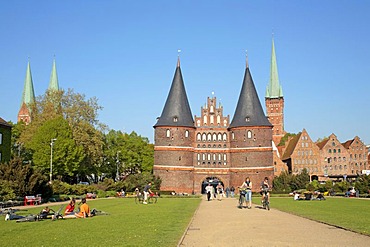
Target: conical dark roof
x,y
176,111
249,111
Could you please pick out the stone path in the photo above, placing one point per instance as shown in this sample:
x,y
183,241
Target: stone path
x,y
222,223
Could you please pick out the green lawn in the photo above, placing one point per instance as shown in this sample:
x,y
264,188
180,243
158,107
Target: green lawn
x,y
348,213
128,224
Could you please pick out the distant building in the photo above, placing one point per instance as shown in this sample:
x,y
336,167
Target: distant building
x,y
327,159
189,154
5,140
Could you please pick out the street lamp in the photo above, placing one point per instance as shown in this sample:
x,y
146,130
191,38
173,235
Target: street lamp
x,y
51,158
117,162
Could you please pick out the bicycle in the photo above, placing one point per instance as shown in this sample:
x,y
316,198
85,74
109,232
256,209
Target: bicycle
x,y
139,198
242,194
265,201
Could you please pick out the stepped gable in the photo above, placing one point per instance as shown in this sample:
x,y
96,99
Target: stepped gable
x,y
176,111
249,111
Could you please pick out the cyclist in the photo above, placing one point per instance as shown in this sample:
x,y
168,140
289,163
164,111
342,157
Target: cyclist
x,y
247,186
264,189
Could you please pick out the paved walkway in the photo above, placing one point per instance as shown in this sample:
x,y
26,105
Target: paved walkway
x,y
222,223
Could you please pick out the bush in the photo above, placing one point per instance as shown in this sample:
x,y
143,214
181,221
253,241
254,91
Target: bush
x,y
6,191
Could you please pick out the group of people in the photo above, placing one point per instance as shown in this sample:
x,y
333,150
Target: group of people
x,y
84,211
245,190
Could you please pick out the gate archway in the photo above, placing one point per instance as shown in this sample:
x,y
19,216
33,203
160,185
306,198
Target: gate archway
x,y
210,180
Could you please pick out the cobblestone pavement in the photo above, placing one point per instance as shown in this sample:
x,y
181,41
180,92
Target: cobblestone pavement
x,y
222,223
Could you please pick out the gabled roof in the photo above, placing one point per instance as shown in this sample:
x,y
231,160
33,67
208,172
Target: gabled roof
x,y
322,143
28,95
274,89
347,144
4,123
176,111
249,111
291,146
53,83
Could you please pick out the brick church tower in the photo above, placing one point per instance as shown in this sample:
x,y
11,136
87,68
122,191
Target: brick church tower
x,y
174,138
250,137
275,101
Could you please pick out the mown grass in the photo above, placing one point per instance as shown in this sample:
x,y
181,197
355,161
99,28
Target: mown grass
x,y
128,224
349,213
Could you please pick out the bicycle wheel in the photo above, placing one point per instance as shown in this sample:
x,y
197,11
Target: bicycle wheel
x,y
268,205
241,201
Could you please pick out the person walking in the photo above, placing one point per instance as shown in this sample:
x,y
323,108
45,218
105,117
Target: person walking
x,y
220,191
247,185
227,190
209,191
232,191
147,191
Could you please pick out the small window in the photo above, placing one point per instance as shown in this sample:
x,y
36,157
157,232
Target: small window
x,y
186,133
219,137
329,150
249,134
247,119
199,137
175,119
224,137
232,135
168,133
1,138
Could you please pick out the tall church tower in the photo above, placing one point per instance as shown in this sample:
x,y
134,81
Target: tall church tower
x,y
28,98
53,83
275,101
250,137
174,135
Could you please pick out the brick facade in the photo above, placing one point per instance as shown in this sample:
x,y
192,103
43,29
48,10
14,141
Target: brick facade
x,y
211,150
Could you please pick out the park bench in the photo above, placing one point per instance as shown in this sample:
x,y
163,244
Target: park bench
x,y
32,200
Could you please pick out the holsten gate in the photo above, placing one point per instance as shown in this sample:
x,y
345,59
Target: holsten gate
x,y
189,151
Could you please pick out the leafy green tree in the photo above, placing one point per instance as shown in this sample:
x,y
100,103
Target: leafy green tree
x,y
67,156
282,183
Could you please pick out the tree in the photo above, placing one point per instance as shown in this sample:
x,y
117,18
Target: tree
x,y
67,156
85,129
131,153
22,179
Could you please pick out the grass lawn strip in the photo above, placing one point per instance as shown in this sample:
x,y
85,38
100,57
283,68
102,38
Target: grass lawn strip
x,y
346,213
128,224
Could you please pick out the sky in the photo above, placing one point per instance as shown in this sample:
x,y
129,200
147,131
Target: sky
x,y
124,53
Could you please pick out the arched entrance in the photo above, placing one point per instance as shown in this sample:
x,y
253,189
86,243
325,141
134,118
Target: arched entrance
x,y
210,180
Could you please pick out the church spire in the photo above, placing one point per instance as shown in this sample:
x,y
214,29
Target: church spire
x,y
176,111
53,83
28,95
274,89
249,111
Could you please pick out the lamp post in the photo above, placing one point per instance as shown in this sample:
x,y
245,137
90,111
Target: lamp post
x,y
117,162
51,158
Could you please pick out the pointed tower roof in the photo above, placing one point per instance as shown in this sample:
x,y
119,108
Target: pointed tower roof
x,y
53,83
249,111
28,95
176,111
274,89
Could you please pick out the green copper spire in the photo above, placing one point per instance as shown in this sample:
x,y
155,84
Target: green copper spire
x,y
28,95
53,84
274,89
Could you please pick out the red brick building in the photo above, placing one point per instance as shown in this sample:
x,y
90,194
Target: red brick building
x,y
188,154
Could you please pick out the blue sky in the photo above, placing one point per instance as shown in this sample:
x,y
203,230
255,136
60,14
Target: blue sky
x,y
124,53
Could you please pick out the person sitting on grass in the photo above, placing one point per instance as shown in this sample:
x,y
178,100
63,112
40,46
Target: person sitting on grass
x,y
84,210
45,212
70,207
